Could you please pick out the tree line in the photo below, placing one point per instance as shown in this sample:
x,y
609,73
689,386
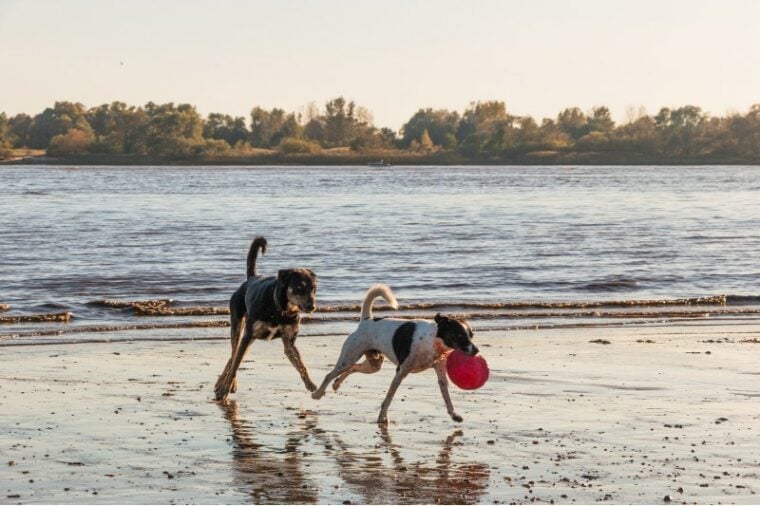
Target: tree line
x,y
485,131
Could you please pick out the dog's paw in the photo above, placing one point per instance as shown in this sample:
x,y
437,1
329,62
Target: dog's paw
x,y
382,420
310,386
233,386
336,384
221,392
457,418
316,395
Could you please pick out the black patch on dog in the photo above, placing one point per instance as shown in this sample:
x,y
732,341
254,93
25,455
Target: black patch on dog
x,y
237,302
402,341
455,333
260,304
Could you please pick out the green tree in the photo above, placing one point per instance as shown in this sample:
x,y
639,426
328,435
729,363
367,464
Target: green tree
x,y
387,138
440,124
426,143
269,128
18,129
600,120
599,126
173,131
118,128
680,129
573,122
314,130
485,128
527,135
5,129
637,136
339,122
343,123
741,135
57,120
552,136
73,142
225,127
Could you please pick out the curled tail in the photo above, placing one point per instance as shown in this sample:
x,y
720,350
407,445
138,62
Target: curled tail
x,y
259,243
374,292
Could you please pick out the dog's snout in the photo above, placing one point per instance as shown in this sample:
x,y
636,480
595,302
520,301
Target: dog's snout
x,y
472,350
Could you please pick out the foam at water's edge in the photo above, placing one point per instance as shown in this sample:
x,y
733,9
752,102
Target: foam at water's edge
x,y
169,307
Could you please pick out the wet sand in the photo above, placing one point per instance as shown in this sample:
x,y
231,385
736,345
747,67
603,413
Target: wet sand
x,y
670,410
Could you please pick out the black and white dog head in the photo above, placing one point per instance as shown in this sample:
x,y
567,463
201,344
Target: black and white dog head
x,y
301,287
455,334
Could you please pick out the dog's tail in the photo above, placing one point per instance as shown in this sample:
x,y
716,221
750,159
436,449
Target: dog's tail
x,y
374,292
259,243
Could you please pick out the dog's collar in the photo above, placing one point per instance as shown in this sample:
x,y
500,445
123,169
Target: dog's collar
x,y
280,294
283,312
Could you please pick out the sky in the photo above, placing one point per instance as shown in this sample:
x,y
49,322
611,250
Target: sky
x,y
392,57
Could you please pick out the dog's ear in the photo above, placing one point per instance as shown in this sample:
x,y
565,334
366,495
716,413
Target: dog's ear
x,y
439,318
311,273
284,275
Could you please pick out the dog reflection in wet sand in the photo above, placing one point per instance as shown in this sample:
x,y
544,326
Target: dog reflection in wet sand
x,y
270,475
279,475
439,480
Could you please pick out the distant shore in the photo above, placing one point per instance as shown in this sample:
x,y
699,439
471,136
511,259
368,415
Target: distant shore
x,y
441,158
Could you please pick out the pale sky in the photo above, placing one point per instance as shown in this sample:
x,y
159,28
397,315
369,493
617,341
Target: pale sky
x,y
393,57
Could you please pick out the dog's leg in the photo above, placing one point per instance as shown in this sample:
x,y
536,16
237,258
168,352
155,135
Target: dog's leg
x,y
401,373
236,326
443,382
238,315
372,363
349,354
295,358
225,382
235,331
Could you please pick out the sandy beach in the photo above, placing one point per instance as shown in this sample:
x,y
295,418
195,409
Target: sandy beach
x,y
662,413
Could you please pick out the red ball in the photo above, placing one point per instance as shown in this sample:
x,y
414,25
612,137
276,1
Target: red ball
x,y
465,371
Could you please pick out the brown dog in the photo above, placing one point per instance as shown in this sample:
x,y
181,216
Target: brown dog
x,y
267,308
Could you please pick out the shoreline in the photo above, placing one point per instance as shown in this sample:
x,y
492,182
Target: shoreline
x,y
365,160
563,418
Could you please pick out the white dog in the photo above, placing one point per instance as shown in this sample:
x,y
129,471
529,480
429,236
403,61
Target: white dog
x,y
413,345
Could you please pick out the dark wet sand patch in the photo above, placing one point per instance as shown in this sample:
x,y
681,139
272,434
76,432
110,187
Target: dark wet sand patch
x,y
99,329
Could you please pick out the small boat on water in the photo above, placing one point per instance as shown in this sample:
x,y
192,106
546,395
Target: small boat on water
x,y
381,163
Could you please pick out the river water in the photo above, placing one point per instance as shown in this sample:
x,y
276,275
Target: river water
x,y
469,239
